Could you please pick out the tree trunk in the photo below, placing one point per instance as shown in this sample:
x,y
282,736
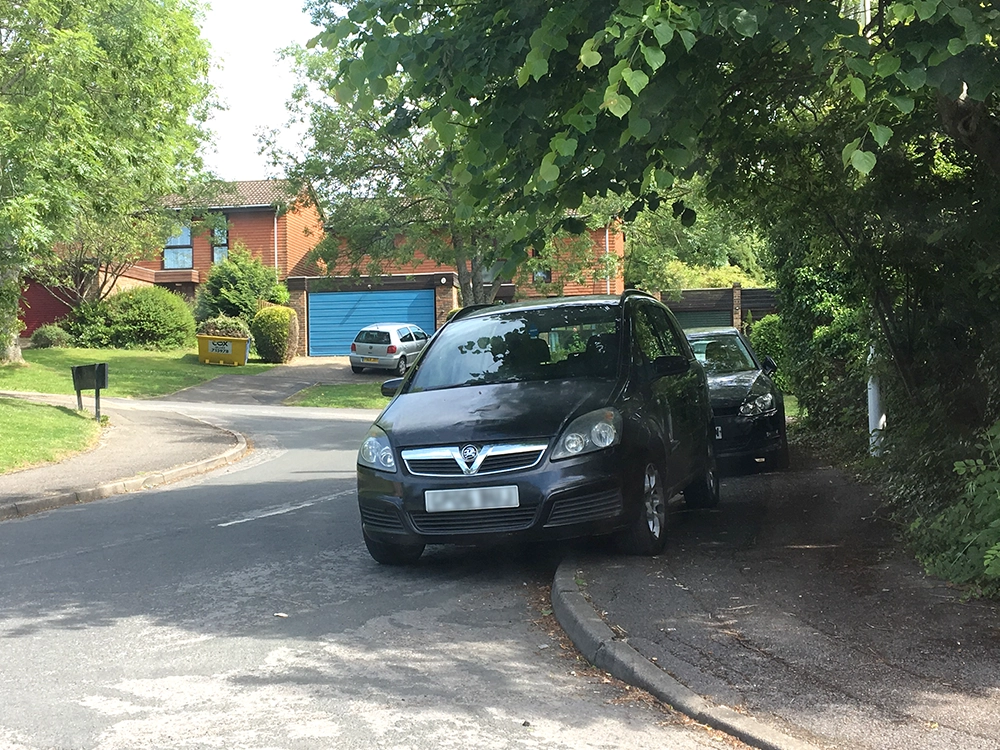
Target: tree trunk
x,y
10,326
970,123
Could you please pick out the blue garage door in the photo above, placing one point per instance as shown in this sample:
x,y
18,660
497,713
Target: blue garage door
x,y
336,317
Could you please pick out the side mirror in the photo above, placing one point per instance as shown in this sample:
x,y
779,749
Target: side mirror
x,y
769,365
391,387
671,365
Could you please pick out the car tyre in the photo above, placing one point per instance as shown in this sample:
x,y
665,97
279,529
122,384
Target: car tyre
x,y
648,533
778,460
388,553
703,492
401,366
357,370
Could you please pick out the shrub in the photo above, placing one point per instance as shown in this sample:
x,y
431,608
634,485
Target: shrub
x,y
235,286
766,339
143,318
961,542
276,333
50,335
224,326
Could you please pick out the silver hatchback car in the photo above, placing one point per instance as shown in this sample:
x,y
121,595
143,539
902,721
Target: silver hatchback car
x,y
387,346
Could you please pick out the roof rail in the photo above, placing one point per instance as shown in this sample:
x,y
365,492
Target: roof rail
x,y
463,311
635,293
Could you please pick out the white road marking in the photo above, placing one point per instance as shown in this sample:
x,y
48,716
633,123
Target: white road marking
x,y
282,509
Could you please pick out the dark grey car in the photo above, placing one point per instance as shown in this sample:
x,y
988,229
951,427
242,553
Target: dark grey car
x,y
549,419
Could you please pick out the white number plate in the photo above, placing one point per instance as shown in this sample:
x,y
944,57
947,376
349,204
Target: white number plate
x,y
440,501
718,433
370,359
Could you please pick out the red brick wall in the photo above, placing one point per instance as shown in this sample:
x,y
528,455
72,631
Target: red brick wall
x,y
303,229
38,308
615,285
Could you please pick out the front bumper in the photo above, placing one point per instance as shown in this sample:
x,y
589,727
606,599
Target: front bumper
x,y
573,498
748,437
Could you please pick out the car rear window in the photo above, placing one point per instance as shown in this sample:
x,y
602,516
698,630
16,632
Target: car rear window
x,y
544,344
372,337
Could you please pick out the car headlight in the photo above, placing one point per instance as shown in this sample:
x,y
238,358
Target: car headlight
x,y
755,405
375,451
594,431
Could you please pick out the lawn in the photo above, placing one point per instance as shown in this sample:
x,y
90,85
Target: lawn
x,y
131,373
35,433
342,396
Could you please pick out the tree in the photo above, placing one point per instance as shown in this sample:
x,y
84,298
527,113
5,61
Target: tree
x,y
388,192
101,106
101,249
559,100
235,287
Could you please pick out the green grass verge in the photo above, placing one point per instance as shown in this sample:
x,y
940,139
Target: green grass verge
x,y
32,434
342,396
131,373
792,406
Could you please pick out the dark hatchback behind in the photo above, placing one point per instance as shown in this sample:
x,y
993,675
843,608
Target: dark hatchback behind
x,y
549,419
749,408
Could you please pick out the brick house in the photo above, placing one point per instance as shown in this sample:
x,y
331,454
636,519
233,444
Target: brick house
x,y
260,214
332,308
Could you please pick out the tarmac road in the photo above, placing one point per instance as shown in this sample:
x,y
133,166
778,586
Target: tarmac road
x,y
788,617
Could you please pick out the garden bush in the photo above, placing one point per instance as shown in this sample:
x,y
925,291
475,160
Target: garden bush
x,y
143,318
50,335
235,287
276,333
223,325
766,339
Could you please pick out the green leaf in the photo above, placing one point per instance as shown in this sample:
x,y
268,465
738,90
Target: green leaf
x,y
957,46
858,88
589,56
564,146
635,80
548,171
913,79
904,104
688,38
849,149
863,161
401,25
746,24
688,217
880,133
616,103
654,56
663,32
638,127
886,66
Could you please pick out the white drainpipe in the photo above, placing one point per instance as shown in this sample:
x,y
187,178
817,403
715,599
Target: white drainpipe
x,y
276,242
607,249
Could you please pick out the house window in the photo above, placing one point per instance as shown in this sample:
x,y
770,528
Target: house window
x,y
541,275
220,244
178,252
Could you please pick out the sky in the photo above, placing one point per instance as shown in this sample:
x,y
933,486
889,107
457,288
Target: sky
x,y
245,36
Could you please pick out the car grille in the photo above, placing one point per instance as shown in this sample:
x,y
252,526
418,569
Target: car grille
x,y
381,518
572,509
473,521
446,461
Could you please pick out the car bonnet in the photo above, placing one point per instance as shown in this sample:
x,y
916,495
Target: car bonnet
x,y
496,412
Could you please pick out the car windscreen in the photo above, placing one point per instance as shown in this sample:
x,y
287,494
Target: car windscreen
x,y
723,354
372,337
569,341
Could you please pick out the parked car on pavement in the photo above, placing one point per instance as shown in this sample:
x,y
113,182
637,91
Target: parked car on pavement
x,y
749,408
548,419
387,346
